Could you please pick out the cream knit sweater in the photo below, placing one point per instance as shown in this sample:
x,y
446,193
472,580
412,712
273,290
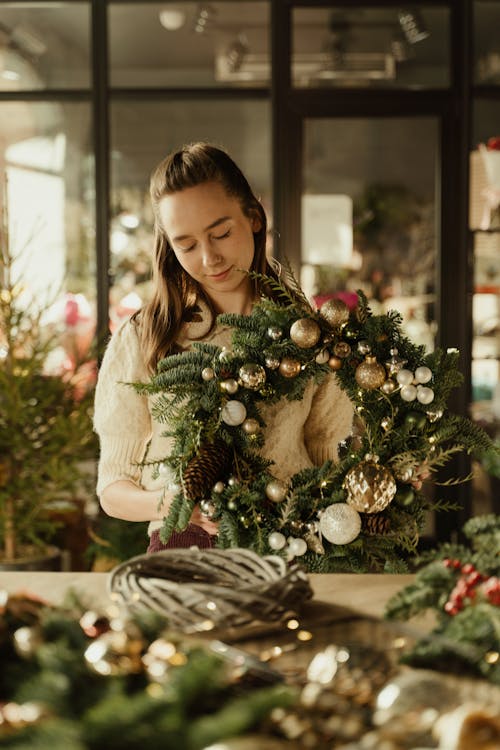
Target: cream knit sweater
x,y
298,434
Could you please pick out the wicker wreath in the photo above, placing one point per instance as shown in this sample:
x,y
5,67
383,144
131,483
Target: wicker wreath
x,y
200,590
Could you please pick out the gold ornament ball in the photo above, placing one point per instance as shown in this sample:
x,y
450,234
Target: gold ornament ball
x,y
335,363
335,312
388,387
305,332
276,491
289,367
252,376
370,487
370,374
251,426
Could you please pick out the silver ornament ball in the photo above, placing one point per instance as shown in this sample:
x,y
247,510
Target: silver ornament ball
x,y
276,491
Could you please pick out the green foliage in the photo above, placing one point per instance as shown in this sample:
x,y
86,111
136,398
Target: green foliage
x,y
460,584
202,698
411,439
45,420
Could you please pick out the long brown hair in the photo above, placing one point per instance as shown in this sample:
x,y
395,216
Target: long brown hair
x,y
174,291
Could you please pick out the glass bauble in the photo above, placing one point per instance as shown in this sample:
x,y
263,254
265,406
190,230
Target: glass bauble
x,y
370,374
370,487
335,312
252,376
305,332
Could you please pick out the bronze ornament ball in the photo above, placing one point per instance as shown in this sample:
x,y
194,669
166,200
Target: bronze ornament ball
x,y
289,367
305,332
335,363
370,374
251,426
335,312
370,487
342,349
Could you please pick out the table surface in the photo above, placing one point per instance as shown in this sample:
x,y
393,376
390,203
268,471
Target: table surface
x,y
364,593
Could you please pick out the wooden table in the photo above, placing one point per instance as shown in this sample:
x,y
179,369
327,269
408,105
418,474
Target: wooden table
x,y
364,593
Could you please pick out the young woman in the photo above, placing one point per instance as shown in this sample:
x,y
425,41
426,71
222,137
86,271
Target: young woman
x,y
209,229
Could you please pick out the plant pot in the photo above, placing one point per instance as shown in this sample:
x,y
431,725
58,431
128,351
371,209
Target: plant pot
x,y
34,558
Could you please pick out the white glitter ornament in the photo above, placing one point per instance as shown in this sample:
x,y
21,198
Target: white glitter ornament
x,y
276,540
298,547
408,393
423,374
340,524
404,377
233,413
425,395
218,487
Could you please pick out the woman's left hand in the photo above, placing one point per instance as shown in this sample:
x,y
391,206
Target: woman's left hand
x,y
199,519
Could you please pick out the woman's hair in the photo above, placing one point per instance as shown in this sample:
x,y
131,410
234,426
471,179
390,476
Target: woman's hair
x,y
174,291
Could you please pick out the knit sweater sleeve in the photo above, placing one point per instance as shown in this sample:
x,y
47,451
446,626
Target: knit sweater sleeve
x,y
329,421
122,418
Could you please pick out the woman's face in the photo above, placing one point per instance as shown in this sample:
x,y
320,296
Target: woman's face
x,y
211,238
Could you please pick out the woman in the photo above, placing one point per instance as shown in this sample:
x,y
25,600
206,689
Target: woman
x,y
209,229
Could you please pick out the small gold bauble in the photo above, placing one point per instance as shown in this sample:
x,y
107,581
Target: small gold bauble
x,y
208,373
251,426
335,312
289,367
305,332
342,349
335,363
229,386
370,487
252,376
370,374
388,387
276,491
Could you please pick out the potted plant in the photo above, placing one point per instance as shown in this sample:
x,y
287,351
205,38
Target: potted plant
x,y
45,424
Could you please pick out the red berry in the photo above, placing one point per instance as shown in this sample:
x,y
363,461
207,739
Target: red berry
x,y
468,568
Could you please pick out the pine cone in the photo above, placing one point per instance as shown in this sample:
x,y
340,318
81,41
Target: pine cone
x,y
375,523
209,465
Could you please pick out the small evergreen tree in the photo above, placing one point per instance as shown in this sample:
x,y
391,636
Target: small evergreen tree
x,y
45,420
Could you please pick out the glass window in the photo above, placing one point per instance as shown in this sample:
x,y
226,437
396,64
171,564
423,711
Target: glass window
x,y
369,208
48,169
487,43
366,47
484,220
44,46
189,44
242,127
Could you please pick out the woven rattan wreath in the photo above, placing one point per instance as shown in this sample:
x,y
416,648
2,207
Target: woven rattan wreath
x,y
199,590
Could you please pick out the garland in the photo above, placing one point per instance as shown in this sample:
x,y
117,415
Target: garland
x,y
363,513
460,584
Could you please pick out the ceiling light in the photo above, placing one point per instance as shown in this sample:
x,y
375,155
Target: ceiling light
x,y
412,25
236,53
172,19
204,18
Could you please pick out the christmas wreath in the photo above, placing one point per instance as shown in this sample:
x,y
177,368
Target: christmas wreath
x,y
362,513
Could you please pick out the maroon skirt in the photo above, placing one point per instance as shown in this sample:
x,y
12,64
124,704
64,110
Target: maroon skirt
x,y
191,536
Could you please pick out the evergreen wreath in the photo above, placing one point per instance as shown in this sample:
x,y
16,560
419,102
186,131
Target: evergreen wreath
x,y
362,513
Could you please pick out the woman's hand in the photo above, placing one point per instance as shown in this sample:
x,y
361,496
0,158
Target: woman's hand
x,y
199,519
